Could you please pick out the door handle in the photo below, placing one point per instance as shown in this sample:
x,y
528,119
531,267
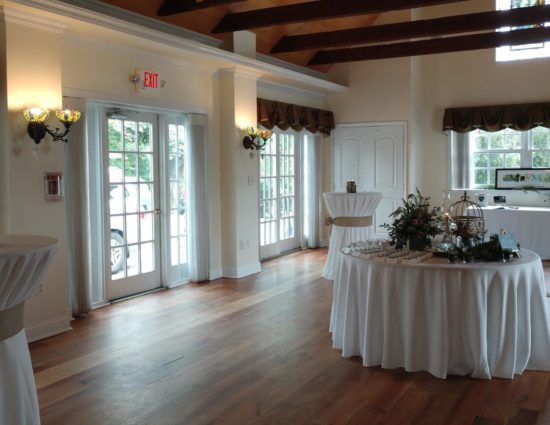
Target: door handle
x,y
157,211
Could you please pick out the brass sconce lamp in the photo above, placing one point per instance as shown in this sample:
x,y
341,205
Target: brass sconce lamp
x,y
256,138
37,128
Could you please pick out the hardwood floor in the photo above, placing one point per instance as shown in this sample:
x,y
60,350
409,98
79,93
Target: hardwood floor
x,y
252,351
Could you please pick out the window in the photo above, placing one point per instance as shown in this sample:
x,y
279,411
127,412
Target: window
x,y
506,149
526,51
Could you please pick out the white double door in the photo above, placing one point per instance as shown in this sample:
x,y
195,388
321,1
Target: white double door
x,y
374,156
145,194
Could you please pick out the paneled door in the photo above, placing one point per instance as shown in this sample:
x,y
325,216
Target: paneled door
x,y
280,194
374,156
131,199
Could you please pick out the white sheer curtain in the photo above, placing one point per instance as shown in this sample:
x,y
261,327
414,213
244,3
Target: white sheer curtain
x,y
197,168
83,201
311,193
459,160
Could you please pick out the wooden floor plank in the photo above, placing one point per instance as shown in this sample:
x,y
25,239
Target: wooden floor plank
x,y
252,351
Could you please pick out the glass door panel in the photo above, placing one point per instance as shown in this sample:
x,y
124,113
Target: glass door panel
x,y
174,134
279,200
132,190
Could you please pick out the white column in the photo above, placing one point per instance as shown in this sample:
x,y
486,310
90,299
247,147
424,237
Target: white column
x,y
239,175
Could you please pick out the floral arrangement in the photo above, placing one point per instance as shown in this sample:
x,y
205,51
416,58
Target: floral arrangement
x,y
414,222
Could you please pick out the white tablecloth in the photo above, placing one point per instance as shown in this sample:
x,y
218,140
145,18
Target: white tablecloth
x,y
483,320
341,204
530,226
23,264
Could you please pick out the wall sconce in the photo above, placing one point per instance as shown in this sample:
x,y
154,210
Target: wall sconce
x,y
256,138
37,128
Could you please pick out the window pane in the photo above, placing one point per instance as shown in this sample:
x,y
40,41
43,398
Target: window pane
x,y
513,141
130,136
496,160
145,167
147,257
482,142
541,139
115,135
130,165
540,159
480,177
145,137
513,160
481,160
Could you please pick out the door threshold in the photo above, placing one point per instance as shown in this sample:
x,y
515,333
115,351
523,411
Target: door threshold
x,y
139,294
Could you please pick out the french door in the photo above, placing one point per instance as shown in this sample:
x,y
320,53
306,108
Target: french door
x,y
145,198
279,196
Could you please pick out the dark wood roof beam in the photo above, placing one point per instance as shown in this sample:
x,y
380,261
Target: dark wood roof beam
x,y
172,7
424,28
316,10
438,45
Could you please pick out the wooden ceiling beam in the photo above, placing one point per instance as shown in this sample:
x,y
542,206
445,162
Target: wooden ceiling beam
x,y
172,7
423,28
315,10
438,45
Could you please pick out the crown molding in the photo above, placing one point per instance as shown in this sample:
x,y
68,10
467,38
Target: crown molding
x,y
32,21
78,39
269,72
292,90
247,73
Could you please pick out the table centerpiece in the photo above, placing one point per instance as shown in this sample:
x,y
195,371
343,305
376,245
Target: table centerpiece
x,y
414,223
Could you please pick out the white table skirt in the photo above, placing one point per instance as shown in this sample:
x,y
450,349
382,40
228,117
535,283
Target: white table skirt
x,y
18,401
530,226
341,204
24,260
484,320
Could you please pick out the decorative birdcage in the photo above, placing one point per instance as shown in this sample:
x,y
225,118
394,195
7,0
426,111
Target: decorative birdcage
x,y
468,218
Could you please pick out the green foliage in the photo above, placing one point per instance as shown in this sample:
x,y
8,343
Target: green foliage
x,y
414,220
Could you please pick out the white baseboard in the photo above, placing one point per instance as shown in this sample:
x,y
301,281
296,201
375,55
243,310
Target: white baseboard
x,y
47,329
216,273
323,243
236,273
178,283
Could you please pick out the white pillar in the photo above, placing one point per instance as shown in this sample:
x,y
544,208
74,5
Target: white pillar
x,y
239,175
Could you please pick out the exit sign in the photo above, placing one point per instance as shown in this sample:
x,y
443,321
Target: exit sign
x,y
147,81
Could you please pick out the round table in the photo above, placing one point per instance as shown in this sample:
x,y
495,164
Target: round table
x,y
481,319
24,260
341,204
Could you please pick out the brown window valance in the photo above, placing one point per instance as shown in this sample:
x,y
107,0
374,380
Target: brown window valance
x,y
495,118
286,115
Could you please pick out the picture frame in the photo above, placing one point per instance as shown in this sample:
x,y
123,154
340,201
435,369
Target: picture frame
x,y
522,178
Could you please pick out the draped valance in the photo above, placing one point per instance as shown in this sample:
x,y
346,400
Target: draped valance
x,y
495,118
286,115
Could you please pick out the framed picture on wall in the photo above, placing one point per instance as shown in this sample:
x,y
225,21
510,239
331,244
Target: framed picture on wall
x,y
522,178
